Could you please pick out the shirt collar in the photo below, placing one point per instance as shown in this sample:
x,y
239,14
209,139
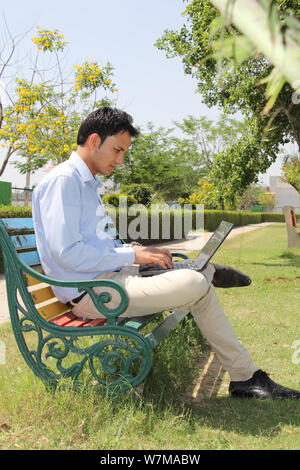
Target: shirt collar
x,y
84,171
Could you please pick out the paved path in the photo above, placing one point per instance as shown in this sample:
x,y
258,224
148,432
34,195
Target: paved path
x,y
181,245
200,238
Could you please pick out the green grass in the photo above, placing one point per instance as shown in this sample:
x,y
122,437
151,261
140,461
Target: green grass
x,y
265,317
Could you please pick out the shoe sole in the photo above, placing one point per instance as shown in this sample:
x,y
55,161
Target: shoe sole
x,y
261,397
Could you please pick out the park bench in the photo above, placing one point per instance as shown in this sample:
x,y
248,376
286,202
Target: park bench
x,y
293,235
113,354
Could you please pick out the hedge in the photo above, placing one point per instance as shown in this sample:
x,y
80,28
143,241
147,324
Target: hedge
x,y
212,218
9,212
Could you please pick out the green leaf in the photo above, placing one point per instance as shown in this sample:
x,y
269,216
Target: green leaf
x,y
273,18
275,82
238,48
218,24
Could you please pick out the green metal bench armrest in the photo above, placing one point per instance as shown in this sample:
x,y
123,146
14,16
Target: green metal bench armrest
x,y
87,285
179,255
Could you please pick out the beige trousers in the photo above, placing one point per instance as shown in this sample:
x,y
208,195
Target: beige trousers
x,y
180,290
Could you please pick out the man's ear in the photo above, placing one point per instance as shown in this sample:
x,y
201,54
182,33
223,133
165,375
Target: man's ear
x,y
94,141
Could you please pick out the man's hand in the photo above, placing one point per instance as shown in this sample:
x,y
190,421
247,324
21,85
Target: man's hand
x,y
150,256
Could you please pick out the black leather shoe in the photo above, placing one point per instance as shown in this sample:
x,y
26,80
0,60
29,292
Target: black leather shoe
x,y
225,276
261,386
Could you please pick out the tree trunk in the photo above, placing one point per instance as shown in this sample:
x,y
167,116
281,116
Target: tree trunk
x,y
295,125
27,185
5,161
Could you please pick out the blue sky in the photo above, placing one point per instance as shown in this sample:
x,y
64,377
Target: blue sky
x,y
150,86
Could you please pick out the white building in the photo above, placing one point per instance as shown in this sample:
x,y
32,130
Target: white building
x,y
286,195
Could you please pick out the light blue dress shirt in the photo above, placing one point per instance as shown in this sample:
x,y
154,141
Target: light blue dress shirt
x,y
69,221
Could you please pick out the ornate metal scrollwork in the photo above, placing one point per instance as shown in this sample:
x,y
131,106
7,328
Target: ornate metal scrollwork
x,y
117,357
124,364
116,360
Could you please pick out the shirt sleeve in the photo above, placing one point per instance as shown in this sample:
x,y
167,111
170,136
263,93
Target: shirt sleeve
x,y
61,207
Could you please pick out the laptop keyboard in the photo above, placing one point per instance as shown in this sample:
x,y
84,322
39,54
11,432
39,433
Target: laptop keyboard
x,y
176,265
183,265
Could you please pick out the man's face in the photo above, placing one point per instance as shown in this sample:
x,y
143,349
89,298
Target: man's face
x,y
105,157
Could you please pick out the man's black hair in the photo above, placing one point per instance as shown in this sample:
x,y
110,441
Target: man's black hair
x,y
105,121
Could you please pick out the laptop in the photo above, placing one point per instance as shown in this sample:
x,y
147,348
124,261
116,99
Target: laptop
x,y
198,264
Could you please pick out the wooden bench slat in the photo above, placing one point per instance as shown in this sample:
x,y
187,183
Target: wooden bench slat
x,y
24,224
52,309
63,319
69,319
23,241
30,257
42,294
45,293
32,281
96,322
78,322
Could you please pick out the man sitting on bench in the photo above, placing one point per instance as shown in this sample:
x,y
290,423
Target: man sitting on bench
x,y
73,247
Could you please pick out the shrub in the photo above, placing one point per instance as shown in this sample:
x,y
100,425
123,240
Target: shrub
x,y
255,195
8,212
266,199
142,192
212,218
273,217
205,194
114,199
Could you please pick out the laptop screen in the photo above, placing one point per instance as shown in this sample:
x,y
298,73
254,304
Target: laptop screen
x,y
213,243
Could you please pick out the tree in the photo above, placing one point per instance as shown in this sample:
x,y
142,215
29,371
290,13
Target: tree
x,y
46,105
205,194
256,195
273,31
142,192
291,171
229,152
266,199
235,168
174,165
171,165
249,197
237,82
212,137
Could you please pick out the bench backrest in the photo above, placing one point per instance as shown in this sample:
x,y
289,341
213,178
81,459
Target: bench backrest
x,y
21,234
18,242
290,218
291,226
